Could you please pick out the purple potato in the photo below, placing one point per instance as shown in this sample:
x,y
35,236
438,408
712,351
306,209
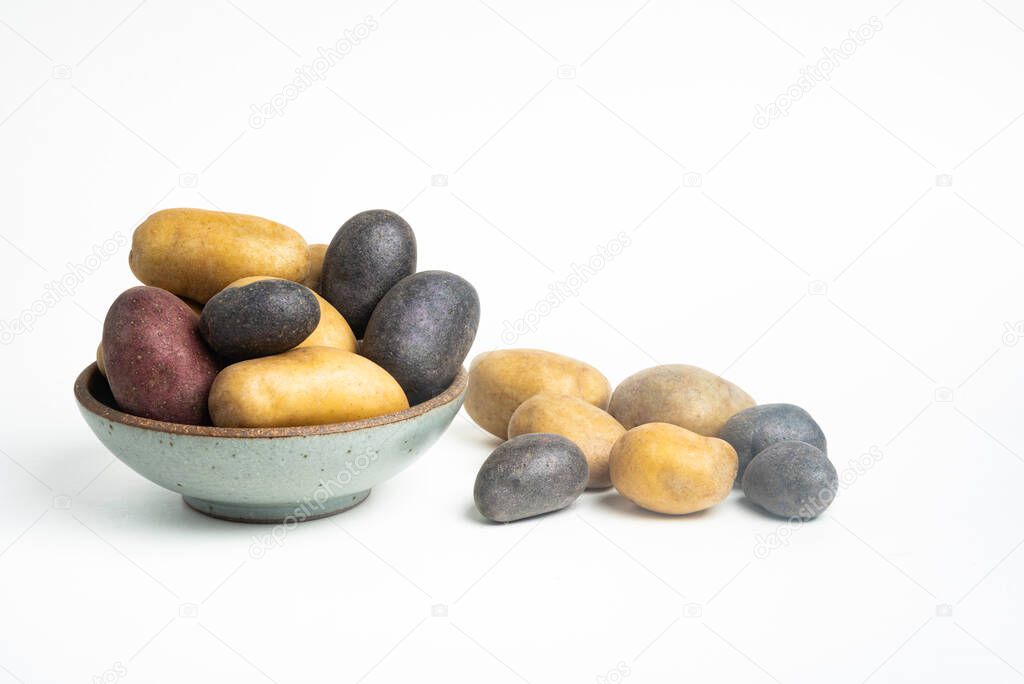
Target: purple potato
x,y
157,364
422,330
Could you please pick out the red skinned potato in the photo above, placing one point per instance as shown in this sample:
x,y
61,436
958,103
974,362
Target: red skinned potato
x,y
156,363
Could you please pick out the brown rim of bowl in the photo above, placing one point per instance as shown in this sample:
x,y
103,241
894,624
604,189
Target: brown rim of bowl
x,y
93,405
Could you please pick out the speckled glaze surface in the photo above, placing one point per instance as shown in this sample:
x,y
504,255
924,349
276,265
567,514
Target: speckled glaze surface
x,y
267,475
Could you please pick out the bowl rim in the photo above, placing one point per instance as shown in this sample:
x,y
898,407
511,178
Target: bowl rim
x,y
90,403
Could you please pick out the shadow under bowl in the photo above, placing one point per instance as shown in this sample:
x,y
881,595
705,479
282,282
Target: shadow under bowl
x,y
267,475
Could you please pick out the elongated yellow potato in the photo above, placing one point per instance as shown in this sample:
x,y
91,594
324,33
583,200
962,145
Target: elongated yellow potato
x,y
303,386
196,253
332,331
588,427
499,381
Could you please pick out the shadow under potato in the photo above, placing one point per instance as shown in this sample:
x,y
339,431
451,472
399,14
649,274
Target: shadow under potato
x,y
764,512
611,499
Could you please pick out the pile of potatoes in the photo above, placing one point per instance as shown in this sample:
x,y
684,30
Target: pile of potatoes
x,y
674,439
240,323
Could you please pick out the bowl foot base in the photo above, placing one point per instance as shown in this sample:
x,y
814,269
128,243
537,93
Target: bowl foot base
x,y
290,513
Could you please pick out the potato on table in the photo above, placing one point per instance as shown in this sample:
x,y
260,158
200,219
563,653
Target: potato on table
x,y
530,475
499,381
791,479
682,395
588,427
668,469
753,430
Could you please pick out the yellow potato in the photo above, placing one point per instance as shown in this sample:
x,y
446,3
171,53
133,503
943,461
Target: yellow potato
x,y
687,396
195,253
332,330
308,386
316,266
590,428
499,381
669,469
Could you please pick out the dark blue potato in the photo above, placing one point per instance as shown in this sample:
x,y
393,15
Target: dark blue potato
x,y
753,430
259,319
371,252
422,330
792,480
530,475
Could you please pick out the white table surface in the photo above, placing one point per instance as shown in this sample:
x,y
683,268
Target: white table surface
x,y
859,256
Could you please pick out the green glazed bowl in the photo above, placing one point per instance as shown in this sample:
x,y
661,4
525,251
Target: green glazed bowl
x,y
267,475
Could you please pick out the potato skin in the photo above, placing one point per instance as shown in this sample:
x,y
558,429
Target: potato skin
x,y
316,266
371,252
499,381
156,363
332,331
590,428
196,253
668,469
682,395
303,386
421,331
259,319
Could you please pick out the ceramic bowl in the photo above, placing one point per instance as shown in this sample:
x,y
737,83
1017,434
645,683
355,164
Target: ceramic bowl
x,y
267,475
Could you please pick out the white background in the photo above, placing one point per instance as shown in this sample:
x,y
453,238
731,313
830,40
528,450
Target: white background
x,y
818,260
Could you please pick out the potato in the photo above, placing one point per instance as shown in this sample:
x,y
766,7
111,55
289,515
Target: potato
x,y
100,363
687,396
371,252
332,331
590,428
304,386
259,319
668,469
421,331
196,253
499,381
156,363
316,266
